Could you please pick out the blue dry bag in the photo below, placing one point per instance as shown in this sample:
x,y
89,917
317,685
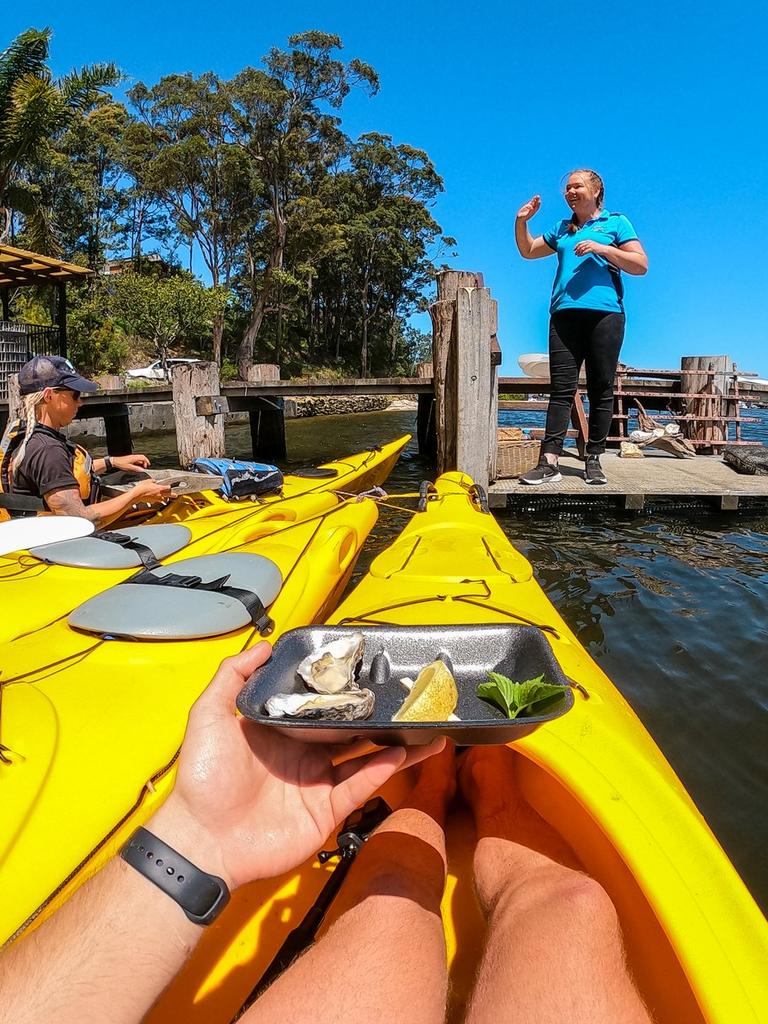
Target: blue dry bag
x,y
242,479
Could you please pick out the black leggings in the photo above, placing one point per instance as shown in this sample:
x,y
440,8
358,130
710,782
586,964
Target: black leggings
x,y
578,336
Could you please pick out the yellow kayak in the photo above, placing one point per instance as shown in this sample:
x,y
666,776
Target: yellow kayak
x,y
92,718
696,942
352,474
39,587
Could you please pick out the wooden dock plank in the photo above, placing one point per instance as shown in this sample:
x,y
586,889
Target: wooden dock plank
x,y
635,481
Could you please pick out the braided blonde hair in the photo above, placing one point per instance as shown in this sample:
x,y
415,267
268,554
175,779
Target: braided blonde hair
x,y
31,403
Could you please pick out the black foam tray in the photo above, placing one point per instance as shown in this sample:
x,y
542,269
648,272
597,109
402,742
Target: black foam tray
x,y
391,652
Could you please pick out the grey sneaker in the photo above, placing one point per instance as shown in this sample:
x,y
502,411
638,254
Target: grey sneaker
x,y
544,473
593,471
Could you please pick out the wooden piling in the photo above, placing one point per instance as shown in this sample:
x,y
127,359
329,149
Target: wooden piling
x,y
473,382
425,416
197,436
15,401
117,428
266,416
493,417
464,321
267,421
443,313
708,404
444,360
259,373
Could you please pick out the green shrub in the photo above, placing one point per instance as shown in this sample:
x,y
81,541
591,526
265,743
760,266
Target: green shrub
x,y
228,370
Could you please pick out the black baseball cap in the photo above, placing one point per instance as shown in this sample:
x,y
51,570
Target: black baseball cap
x,y
52,372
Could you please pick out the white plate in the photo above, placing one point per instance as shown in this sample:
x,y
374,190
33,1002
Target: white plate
x,y
31,531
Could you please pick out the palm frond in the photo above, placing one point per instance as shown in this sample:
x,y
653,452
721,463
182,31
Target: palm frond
x,y
23,197
40,232
81,89
36,113
26,55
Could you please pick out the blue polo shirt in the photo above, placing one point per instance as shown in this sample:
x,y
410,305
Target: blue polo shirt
x,y
588,282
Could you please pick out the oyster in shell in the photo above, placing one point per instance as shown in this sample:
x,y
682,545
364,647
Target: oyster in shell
x,y
332,668
348,706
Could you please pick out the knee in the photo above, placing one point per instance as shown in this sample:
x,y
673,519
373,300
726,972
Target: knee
x,y
600,387
562,391
558,891
585,902
586,896
423,886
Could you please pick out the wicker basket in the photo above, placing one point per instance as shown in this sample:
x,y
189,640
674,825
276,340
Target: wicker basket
x,y
515,455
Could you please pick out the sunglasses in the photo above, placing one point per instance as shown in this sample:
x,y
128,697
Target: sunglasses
x,y
75,394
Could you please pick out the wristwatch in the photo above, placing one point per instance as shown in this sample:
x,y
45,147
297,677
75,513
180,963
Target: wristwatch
x,y
201,896
108,467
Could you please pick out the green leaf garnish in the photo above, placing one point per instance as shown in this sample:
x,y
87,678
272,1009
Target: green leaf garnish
x,y
518,700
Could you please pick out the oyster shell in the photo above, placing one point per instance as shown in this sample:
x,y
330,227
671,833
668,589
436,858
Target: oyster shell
x,y
332,668
348,706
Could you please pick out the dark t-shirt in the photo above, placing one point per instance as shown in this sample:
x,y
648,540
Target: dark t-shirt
x,y
47,464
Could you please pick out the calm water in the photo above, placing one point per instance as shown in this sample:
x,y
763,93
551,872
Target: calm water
x,y
672,606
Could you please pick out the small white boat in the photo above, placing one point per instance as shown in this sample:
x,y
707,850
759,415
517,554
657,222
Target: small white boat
x,y
534,364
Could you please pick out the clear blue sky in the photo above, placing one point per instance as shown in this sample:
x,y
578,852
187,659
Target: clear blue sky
x,y
668,102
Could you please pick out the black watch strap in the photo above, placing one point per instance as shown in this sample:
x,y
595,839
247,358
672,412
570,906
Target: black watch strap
x,y
201,896
108,467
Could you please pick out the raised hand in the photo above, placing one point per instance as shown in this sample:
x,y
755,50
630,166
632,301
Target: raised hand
x,y
529,209
257,802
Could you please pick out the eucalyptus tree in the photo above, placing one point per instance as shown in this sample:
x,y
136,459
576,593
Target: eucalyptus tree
x,y
82,183
392,232
377,239
283,119
180,150
35,109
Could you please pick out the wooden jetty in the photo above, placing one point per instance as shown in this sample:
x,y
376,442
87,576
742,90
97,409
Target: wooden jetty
x,y
704,397
200,403
460,394
634,484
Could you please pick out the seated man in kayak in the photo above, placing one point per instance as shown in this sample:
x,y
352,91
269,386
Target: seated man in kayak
x,y
249,804
42,463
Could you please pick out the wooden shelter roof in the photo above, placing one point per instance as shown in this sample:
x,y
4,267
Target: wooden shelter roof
x,y
19,267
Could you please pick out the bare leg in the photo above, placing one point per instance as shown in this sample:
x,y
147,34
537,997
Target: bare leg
x,y
383,959
554,949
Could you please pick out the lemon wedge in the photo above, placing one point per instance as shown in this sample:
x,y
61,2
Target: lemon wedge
x,y
433,697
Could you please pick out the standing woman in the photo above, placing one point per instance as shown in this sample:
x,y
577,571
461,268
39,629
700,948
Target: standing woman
x,y
586,313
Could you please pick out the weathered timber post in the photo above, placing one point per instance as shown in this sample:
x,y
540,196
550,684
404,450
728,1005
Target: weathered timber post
x,y
198,409
708,403
473,383
443,313
425,417
266,416
258,373
493,421
465,383
15,401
